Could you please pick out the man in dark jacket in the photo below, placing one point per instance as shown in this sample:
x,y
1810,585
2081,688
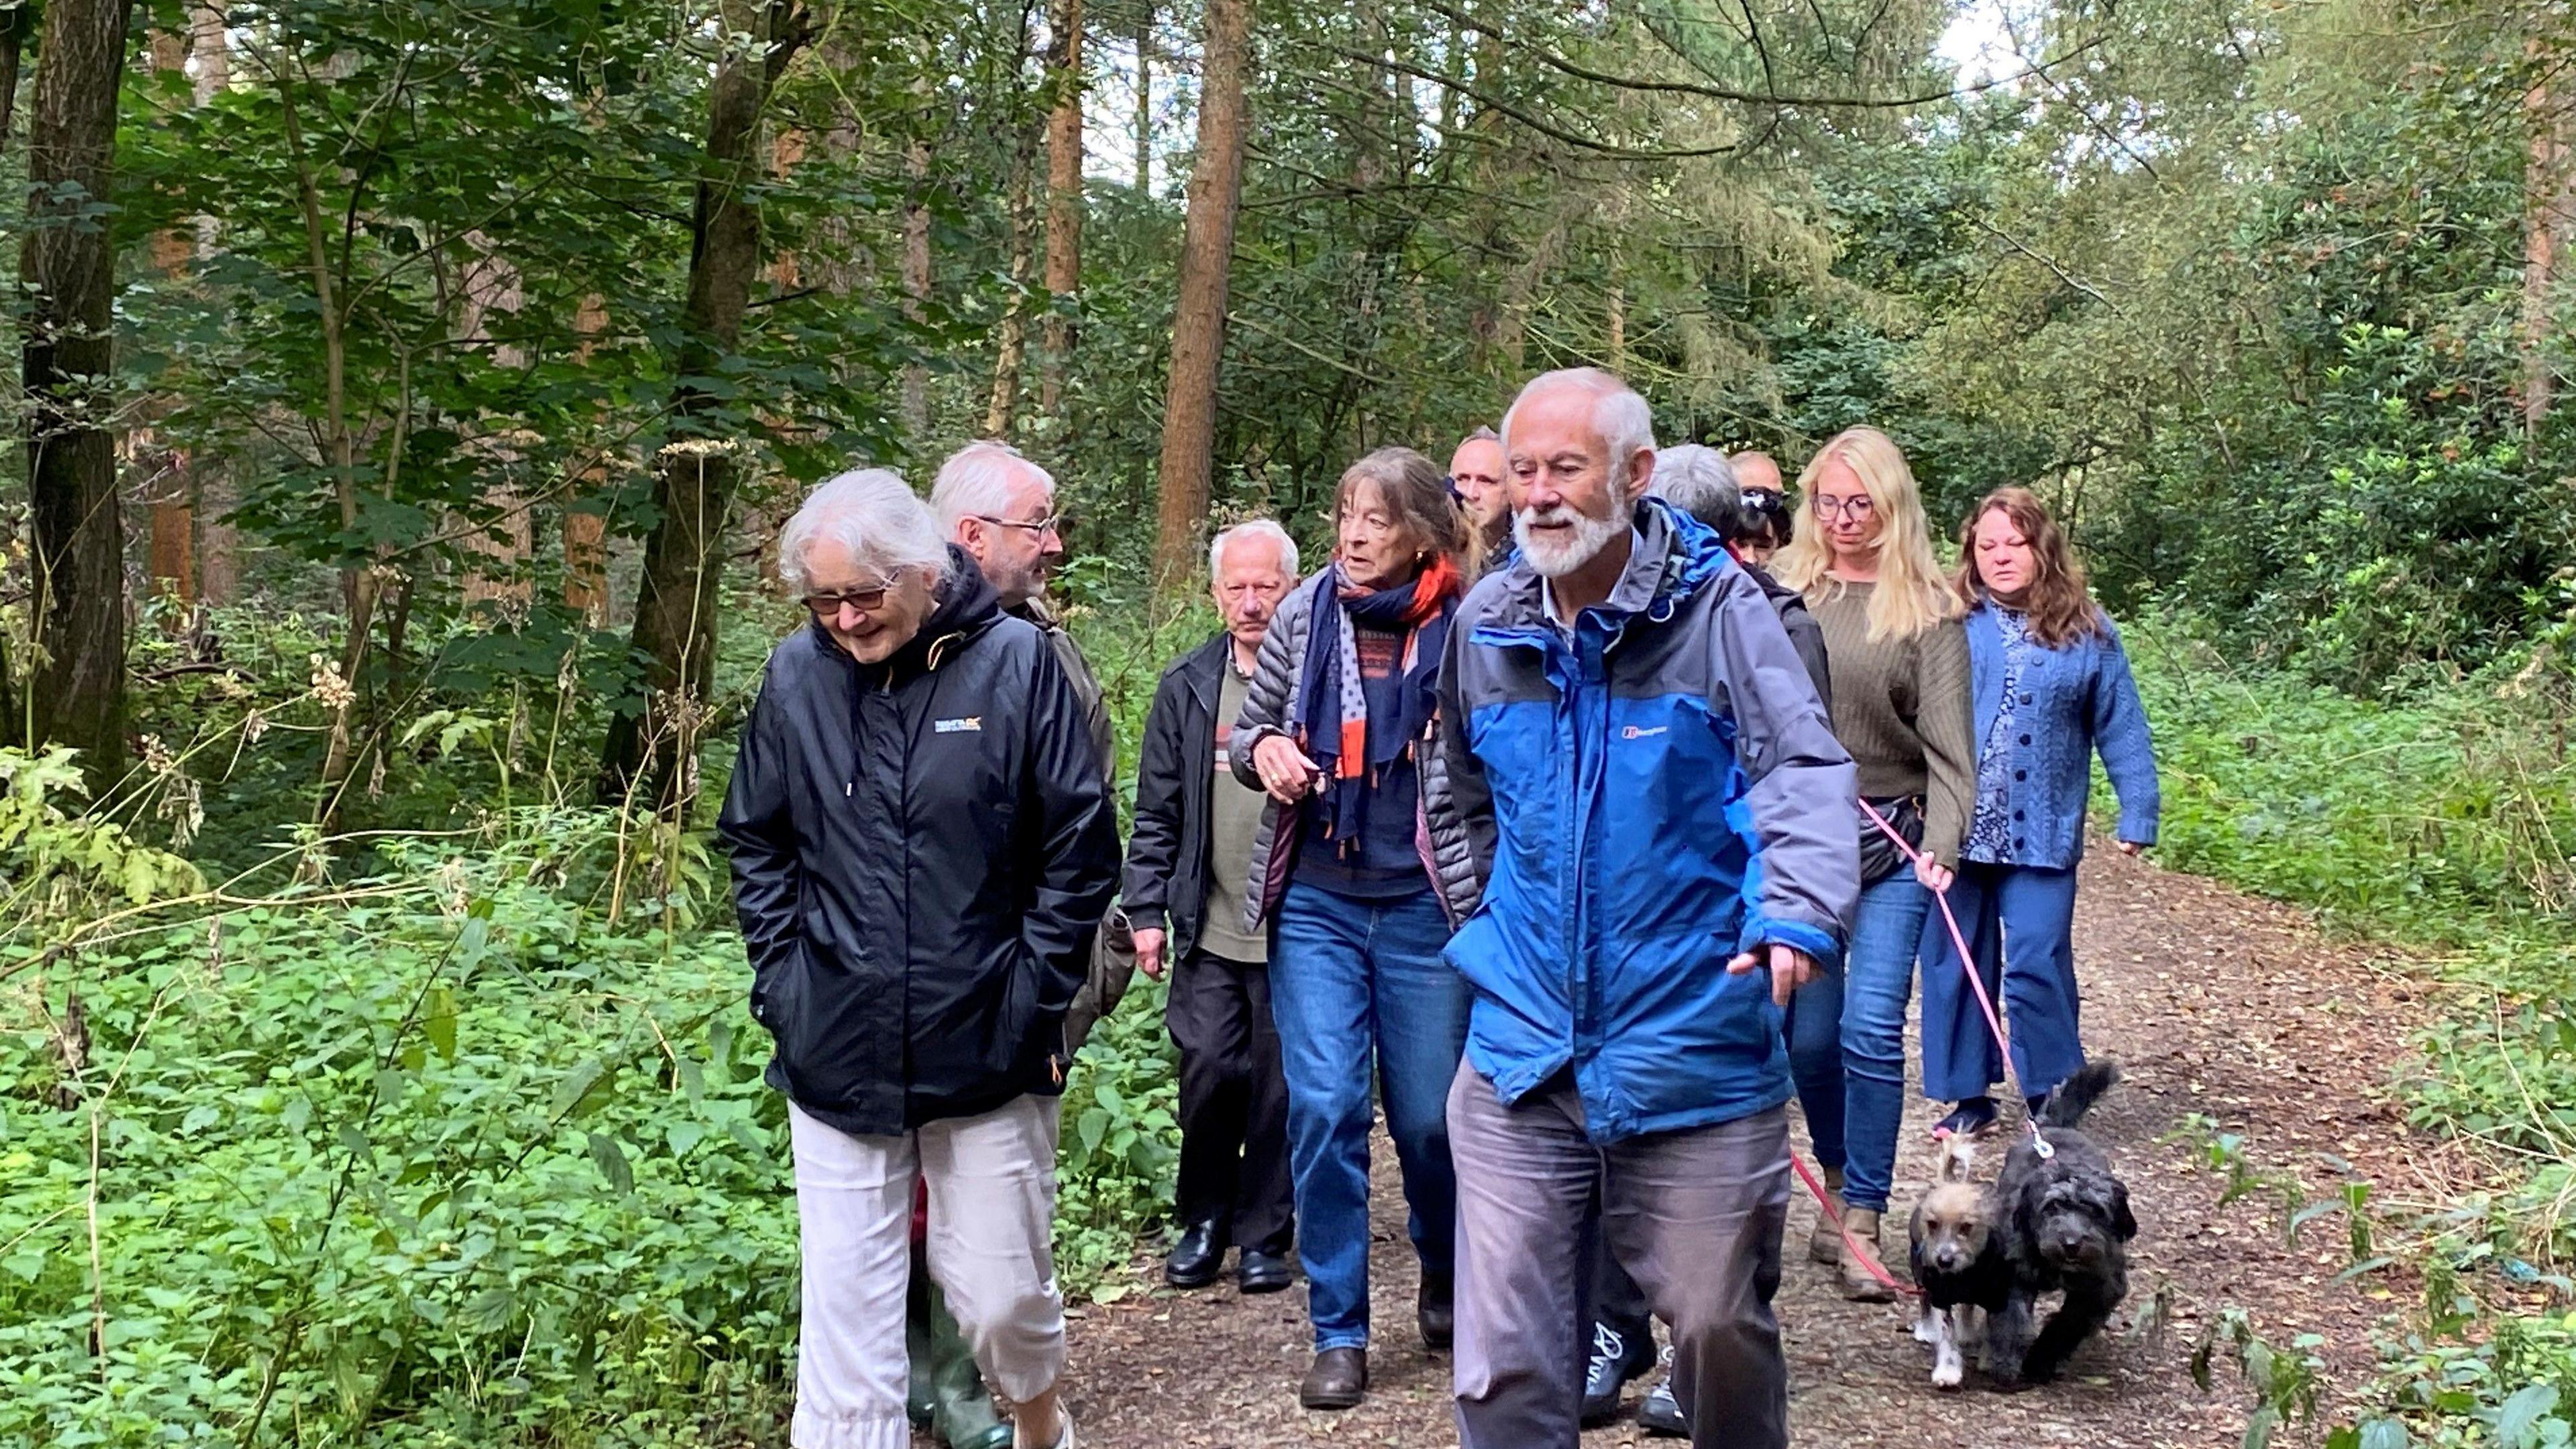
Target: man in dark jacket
x,y
1000,507
1186,869
1653,797
922,851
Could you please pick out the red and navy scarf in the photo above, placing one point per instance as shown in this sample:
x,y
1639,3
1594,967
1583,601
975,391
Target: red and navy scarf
x,y
1333,723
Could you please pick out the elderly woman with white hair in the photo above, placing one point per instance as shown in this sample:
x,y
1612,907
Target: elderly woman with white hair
x,y
922,852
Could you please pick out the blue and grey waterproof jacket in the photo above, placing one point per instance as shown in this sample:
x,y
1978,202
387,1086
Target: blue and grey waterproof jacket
x,y
1646,796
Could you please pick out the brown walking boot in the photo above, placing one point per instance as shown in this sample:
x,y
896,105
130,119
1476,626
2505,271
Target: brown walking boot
x,y
1825,1244
1858,1285
1339,1380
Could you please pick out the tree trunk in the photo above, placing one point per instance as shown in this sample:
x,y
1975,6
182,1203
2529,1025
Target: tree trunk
x,y
916,285
1064,200
1198,322
17,27
491,285
1145,98
2549,228
67,275
1011,344
212,493
786,269
585,531
652,742
171,569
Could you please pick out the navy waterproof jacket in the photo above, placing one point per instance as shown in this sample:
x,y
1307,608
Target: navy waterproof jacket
x,y
922,852
1646,798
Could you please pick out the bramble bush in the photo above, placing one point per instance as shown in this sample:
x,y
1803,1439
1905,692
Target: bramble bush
x,y
439,1156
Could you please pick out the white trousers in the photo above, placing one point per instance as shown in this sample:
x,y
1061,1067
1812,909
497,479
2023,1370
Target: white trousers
x,y
992,1214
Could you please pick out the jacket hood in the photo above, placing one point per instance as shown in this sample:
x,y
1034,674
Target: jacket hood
x,y
967,606
1692,552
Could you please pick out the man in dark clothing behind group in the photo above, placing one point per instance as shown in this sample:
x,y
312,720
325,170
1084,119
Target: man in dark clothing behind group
x,y
1193,846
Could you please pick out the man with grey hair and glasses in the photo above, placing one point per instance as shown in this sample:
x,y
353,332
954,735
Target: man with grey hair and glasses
x,y
922,851
1624,1045
1186,870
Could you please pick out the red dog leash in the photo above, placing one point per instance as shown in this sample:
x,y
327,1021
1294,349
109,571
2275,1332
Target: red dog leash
x,y
1858,1249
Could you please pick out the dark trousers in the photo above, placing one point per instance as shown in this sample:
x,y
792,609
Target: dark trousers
x,y
1234,1103
2020,920
1695,1216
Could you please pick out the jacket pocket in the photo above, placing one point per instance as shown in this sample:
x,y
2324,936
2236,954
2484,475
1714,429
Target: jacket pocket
x,y
1015,988
781,1001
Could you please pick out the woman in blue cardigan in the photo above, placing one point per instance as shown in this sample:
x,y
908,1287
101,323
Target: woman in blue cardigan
x,y
2050,688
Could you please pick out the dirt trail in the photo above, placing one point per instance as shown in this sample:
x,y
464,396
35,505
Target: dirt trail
x,y
2215,1003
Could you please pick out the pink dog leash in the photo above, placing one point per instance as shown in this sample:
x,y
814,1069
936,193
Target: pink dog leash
x,y
1968,964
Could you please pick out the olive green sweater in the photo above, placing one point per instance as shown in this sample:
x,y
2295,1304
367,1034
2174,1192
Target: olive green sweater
x,y
1901,708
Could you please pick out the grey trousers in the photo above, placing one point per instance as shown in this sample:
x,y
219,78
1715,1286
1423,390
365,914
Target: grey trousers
x,y
1695,1216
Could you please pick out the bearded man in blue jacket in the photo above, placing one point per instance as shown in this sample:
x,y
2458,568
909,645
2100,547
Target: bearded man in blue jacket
x,y
1662,820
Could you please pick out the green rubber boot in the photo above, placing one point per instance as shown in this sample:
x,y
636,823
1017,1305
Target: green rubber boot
x,y
947,1394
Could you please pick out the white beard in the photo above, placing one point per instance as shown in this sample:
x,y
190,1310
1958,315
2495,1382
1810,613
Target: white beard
x,y
1558,553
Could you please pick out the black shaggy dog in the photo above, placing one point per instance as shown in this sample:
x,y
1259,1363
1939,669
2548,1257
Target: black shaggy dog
x,y
2065,1224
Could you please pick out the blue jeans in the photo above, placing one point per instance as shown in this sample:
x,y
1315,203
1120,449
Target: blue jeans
x,y
2020,922
1878,981
1815,1029
1351,982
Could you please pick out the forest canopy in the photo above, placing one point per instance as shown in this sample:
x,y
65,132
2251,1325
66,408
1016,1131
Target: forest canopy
x,y
438,322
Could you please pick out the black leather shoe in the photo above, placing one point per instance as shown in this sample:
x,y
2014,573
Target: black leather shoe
x,y
1615,1360
1339,1380
1197,1258
1261,1272
1437,1314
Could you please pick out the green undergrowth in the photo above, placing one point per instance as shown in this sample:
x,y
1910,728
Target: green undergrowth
x,y
2438,821
440,1155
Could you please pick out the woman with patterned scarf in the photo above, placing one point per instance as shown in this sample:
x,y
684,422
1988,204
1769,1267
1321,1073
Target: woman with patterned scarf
x,y
1361,893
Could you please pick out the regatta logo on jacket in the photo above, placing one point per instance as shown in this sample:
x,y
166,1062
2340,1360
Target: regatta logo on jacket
x,y
959,726
1639,732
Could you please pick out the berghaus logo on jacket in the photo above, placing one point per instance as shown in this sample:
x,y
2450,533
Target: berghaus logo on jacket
x,y
963,724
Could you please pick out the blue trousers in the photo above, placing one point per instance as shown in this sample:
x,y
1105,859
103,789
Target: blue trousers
x,y
1814,1026
1357,983
1878,981
2020,922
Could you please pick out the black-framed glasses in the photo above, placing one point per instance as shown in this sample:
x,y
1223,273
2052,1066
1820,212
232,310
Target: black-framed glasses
x,y
1856,506
827,607
1053,523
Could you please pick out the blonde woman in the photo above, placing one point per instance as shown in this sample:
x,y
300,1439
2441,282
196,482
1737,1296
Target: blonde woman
x,y
1862,556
